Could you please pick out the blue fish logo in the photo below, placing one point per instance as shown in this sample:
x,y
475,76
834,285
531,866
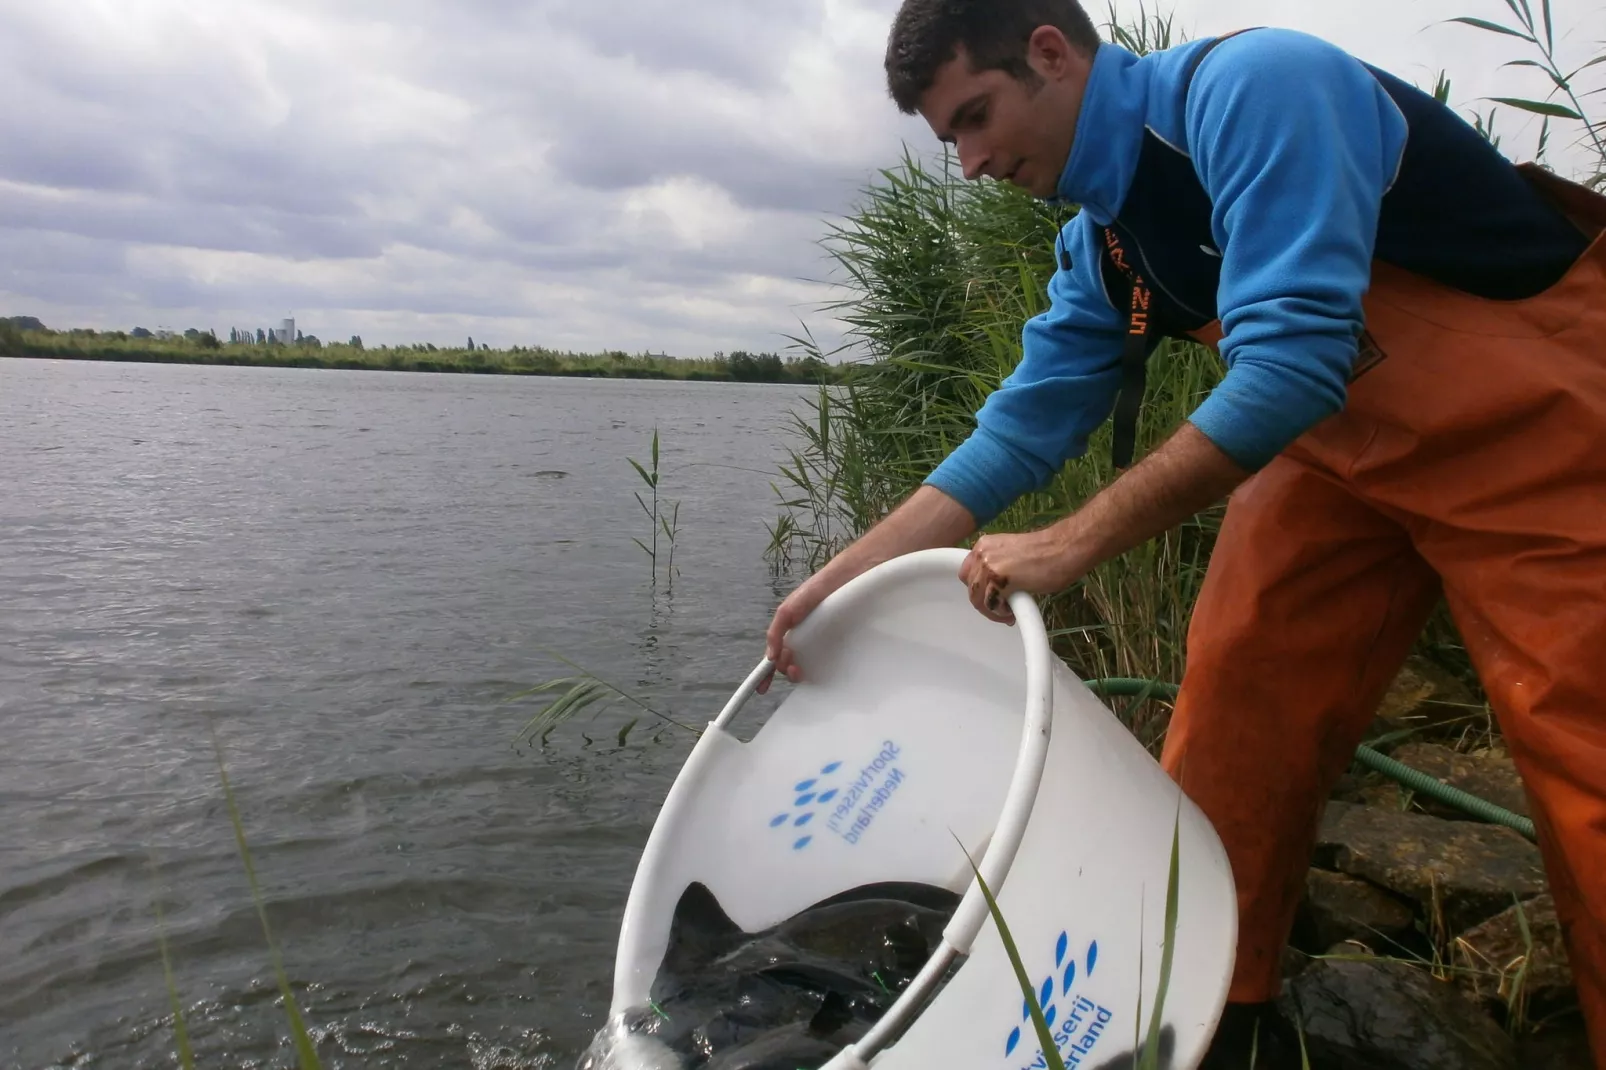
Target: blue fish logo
x,y
809,795
1055,987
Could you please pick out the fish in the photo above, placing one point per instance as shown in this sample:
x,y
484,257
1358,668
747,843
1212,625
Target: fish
x,y
791,996
785,1048
788,997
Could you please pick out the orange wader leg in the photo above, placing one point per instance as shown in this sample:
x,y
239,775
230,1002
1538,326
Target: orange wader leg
x,y
1482,434
1311,603
1493,433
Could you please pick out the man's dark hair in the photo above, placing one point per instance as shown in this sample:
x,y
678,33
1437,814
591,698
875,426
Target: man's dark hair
x,y
927,33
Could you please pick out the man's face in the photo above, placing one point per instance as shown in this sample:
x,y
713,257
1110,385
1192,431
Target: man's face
x,y
1003,128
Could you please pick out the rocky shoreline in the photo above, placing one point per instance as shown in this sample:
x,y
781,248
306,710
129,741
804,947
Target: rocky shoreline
x,y
1427,940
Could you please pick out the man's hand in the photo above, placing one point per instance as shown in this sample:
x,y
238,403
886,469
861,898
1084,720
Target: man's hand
x,y
928,518
797,605
1186,474
1039,562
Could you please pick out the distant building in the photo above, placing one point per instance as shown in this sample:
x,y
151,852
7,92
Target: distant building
x,y
286,332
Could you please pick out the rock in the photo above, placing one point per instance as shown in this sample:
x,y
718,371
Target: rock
x,y
1380,1015
1339,908
1363,787
1424,695
1504,967
1563,1047
1472,870
1488,774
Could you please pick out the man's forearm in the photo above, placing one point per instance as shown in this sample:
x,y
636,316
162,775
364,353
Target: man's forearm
x,y
1187,474
928,518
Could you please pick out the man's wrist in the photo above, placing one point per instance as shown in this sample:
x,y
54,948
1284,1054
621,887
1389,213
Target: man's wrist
x,y
1186,474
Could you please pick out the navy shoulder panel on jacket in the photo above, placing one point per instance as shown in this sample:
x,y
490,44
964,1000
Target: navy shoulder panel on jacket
x,y
1456,210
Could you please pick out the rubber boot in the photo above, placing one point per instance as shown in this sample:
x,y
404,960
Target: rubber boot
x,y
1253,1036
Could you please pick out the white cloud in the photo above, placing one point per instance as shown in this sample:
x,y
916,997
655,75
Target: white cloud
x,y
640,174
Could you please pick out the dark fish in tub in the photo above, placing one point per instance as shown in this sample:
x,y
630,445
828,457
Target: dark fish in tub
x,y
789,997
792,996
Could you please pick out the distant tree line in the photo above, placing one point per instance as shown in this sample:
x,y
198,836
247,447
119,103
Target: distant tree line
x,y
26,336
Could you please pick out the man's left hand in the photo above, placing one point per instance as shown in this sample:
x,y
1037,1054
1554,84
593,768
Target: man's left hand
x,y
1038,562
1184,475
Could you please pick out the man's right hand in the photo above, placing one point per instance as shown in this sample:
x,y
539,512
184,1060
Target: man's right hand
x,y
797,605
928,518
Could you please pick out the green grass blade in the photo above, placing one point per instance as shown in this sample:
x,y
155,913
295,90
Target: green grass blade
x,y
645,478
1539,107
1137,1016
1051,1055
306,1054
1493,27
584,690
1524,14
1151,1050
1597,60
181,1033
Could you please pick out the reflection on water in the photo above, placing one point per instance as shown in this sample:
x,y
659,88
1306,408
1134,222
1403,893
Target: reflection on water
x,y
348,574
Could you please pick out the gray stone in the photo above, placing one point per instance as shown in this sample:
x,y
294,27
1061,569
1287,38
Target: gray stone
x,y
1423,695
1531,973
1339,908
1380,1015
1457,872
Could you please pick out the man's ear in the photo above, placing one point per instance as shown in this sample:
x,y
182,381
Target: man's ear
x,y
1050,53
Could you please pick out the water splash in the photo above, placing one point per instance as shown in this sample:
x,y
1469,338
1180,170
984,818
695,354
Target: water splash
x,y
615,1047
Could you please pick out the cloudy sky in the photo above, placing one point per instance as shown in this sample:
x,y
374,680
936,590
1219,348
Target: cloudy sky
x,y
585,174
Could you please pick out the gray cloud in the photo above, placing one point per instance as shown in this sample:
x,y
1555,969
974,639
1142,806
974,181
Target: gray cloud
x,y
581,173
489,159
735,41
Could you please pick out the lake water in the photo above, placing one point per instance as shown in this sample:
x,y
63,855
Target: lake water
x,y
348,575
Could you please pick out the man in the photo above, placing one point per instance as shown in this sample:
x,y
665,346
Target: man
x,y
1415,402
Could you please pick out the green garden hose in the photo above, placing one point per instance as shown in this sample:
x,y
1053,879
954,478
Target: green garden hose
x,y
1414,779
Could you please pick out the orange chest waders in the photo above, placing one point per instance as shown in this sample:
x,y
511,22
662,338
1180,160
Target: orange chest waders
x,y
1469,461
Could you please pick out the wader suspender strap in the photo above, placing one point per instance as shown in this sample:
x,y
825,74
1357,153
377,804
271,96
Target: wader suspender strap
x,y
1140,330
1134,357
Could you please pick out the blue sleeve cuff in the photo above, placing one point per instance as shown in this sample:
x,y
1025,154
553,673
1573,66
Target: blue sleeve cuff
x,y
1265,402
983,476
1297,144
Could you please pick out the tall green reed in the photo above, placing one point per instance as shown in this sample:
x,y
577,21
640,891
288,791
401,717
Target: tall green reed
x,y
657,521
1538,31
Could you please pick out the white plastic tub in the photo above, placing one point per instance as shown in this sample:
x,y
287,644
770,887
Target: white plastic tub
x,y
922,731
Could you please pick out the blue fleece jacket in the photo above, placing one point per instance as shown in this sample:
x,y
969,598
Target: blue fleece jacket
x,y
1295,143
